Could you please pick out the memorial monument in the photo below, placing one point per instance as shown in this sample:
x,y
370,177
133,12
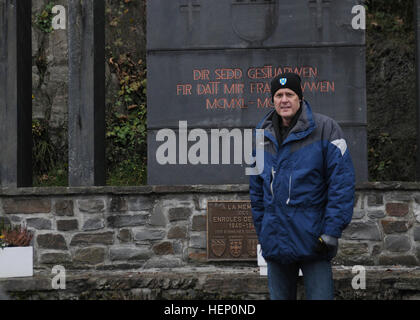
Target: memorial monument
x,y
209,68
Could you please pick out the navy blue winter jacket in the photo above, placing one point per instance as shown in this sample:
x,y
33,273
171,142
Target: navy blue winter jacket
x,y
306,188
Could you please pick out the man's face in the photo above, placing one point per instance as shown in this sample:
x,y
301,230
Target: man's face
x,y
287,103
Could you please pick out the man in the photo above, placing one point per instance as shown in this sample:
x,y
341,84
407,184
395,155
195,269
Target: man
x,y
303,199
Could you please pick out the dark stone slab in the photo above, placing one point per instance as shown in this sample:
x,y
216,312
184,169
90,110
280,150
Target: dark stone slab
x,y
93,255
163,248
26,206
118,221
368,230
67,225
39,223
51,241
86,36
15,93
181,213
213,75
64,208
249,23
216,69
390,226
397,243
91,205
202,94
118,204
93,224
93,238
55,258
396,209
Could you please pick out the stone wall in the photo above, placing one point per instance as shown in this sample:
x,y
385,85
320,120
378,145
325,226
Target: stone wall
x,y
132,228
150,243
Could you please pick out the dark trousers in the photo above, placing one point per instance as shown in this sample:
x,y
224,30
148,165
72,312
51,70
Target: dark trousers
x,y
317,278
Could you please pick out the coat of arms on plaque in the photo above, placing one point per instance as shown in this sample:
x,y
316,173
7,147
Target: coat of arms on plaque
x,y
251,247
235,248
218,247
262,13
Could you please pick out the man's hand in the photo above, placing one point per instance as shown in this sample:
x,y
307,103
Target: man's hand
x,y
329,244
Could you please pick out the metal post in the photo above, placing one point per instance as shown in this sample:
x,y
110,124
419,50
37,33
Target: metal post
x,y
15,93
417,26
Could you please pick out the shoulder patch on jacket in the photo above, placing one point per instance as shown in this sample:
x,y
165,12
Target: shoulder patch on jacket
x,y
340,144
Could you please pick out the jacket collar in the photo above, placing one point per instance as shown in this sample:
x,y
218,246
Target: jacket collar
x,y
304,126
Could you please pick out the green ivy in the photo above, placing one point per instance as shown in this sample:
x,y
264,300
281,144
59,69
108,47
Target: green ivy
x,y
43,20
126,125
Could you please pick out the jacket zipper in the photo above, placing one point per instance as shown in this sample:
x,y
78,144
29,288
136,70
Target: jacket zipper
x,y
272,180
290,188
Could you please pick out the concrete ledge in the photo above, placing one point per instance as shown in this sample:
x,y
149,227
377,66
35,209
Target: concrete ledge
x,y
208,283
227,188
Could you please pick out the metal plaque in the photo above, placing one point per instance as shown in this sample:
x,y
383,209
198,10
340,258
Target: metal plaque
x,y
230,231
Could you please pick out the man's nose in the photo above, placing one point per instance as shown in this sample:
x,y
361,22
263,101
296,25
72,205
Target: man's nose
x,y
283,98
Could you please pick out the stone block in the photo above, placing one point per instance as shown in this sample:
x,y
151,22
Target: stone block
x,y
368,230
176,214
129,254
353,253
163,248
374,200
158,217
93,238
118,204
198,242
124,235
178,232
377,214
39,223
353,249
51,241
93,224
390,226
397,243
404,260
396,209
358,214
55,258
357,197
376,249
91,205
416,233
92,255
140,203
149,234
398,196
26,206
163,262
67,225
119,221
197,257
199,223
64,208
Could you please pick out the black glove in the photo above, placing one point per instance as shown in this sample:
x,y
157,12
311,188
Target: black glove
x,y
327,244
